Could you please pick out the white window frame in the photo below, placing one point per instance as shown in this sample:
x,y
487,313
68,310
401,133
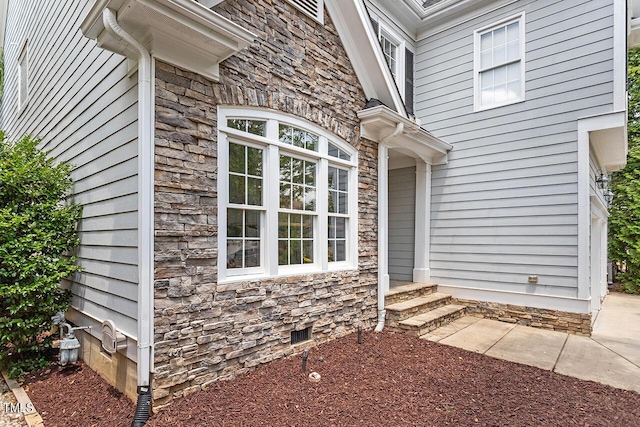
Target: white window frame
x,y
23,76
401,45
272,147
477,71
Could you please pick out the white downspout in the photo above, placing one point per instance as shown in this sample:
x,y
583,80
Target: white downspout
x,y
383,221
145,196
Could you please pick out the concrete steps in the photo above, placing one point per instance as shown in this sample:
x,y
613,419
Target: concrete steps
x,y
418,309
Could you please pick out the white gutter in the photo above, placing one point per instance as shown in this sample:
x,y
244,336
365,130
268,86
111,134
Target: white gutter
x,y
145,195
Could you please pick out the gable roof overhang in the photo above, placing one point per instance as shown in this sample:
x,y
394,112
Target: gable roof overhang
x,y
181,32
384,126
606,135
609,141
352,22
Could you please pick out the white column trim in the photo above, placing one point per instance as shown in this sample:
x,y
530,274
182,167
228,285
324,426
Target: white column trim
x,y
421,271
584,212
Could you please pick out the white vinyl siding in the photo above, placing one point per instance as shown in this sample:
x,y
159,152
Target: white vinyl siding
x,y
505,206
84,107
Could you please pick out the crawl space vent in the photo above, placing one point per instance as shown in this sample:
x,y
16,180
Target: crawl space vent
x,y
313,8
300,336
112,340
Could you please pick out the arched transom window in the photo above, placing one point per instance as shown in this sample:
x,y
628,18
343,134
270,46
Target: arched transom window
x,y
287,193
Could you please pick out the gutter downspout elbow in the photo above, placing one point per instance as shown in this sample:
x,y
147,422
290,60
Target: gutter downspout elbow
x,y
145,211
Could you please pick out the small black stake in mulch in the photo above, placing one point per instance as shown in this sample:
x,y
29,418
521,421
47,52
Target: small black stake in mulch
x,y
305,354
360,334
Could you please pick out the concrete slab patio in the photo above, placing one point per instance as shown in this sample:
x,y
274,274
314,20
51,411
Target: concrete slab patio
x,y
610,356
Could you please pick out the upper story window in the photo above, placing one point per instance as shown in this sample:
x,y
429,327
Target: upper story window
x,y
287,196
23,76
399,58
390,52
499,63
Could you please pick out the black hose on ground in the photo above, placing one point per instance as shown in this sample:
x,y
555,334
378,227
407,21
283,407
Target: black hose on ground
x,y
143,407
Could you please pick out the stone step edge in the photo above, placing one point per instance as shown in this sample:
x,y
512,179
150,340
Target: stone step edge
x,y
421,320
397,294
417,302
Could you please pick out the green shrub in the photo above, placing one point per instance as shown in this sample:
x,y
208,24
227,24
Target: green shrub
x,y
624,219
37,237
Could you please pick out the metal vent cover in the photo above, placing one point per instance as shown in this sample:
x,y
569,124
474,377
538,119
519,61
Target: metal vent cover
x,y
301,335
112,340
313,8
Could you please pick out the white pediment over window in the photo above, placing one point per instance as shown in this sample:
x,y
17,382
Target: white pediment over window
x,y
182,32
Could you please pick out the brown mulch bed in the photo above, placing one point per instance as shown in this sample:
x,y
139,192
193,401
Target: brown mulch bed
x,y
388,380
77,396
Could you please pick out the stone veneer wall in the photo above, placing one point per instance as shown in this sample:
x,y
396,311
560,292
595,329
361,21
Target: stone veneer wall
x,y
205,331
562,321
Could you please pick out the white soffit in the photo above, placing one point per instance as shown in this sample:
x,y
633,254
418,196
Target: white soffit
x,y
610,147
181,32
384,126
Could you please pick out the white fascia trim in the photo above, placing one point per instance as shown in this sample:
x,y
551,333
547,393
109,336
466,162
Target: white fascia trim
x,y
181,32
351,20
383,125
619,55
572,305
455,13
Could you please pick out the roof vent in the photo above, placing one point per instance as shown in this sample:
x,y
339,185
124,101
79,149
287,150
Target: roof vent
x,y
313,8
112,340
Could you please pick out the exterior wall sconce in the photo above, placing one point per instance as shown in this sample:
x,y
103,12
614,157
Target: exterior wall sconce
x,y
602,180
608,197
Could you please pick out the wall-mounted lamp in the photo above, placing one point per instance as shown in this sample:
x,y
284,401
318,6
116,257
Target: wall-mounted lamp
x,y
608,197
602,180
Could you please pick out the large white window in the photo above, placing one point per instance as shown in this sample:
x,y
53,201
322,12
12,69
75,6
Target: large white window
x,y
499,63
287,194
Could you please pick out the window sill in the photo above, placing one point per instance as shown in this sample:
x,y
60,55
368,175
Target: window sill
x,y
477,109
261,276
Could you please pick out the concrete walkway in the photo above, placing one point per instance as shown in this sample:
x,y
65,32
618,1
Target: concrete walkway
x,y
610,356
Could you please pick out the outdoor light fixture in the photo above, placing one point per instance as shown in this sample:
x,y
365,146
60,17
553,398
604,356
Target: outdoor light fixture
x,y
602,180
608,197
